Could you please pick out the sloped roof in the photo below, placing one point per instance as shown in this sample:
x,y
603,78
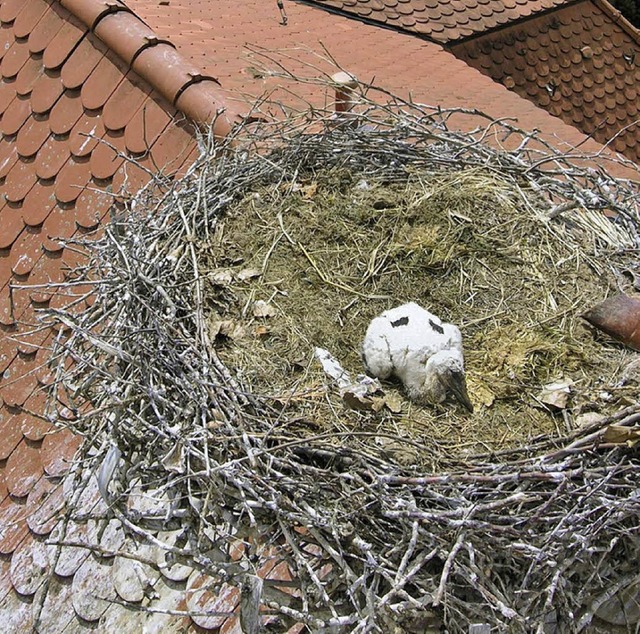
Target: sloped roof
x,y
80,128
580,62
223,35
443,21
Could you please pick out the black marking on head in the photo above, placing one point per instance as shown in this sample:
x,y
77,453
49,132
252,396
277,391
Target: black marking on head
x,y
403,321
436,327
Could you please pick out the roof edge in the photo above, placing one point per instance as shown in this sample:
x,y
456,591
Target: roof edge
x,y
156,60
619,18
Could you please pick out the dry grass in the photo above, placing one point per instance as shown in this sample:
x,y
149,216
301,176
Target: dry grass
x,y
330,250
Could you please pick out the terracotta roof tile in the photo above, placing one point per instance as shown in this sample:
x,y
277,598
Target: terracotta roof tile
x,y
13,528
42,33
63,44
100,84
28,76
122,104
23,469
46,92
81,63
578,51
38,203
16,113
32,136
51,157
29,566
11,434
443,21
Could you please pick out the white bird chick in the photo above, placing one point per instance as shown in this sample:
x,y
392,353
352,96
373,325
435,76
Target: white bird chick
x,y
412,344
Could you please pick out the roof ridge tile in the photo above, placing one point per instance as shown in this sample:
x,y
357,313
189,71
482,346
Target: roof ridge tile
x,y
156,61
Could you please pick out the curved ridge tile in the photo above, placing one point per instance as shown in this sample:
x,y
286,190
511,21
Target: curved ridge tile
x,y
92,11
126,35
155,60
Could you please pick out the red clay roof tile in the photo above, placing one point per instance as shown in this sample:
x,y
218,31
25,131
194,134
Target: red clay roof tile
x,y
145,127
46,92
16,113
63,44
51,157
444,21
14,59
29,17
44,504
58,227
562,48
13,525
29,566
101,83
71,180
9,9
20,179
81,63
32,136
10,434
28,76
38,203
66,112
122,104
26,251
12,226
58,450
43,32
23,469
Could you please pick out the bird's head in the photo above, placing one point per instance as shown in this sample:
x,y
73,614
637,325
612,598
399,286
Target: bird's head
x,y
447,371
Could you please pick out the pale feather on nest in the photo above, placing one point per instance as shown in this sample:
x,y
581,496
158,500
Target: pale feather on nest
x,y
415,346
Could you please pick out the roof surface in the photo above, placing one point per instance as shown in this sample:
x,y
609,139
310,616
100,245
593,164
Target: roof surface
x,y
443,21
228,40
79,130
73,115
578,62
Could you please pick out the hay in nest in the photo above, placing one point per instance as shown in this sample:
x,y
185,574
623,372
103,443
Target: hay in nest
x,y
196,358
309,260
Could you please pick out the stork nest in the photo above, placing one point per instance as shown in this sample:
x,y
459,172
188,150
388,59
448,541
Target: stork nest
x,y
196,358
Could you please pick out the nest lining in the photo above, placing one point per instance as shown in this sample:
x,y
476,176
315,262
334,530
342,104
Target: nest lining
x,y
524,534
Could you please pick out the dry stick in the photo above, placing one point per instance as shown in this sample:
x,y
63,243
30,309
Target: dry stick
x,y
237,474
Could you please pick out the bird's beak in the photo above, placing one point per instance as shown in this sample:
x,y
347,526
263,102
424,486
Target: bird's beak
x,y
456,384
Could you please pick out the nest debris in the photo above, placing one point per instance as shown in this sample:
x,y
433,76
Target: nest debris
x,y
522,536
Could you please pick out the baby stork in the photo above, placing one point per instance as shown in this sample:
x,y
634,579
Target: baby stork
x,y
412,344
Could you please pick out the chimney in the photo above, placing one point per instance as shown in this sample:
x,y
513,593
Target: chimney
x,y
345,86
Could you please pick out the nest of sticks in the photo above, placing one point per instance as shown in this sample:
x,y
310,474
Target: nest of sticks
x,y
520,537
